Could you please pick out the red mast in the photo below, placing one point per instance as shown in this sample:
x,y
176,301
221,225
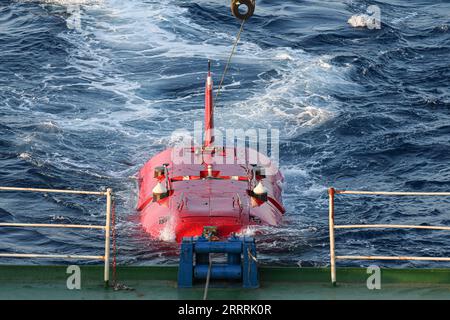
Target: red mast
x,y
209,109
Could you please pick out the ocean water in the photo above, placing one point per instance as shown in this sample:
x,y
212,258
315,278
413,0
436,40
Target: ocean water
x,y
90,90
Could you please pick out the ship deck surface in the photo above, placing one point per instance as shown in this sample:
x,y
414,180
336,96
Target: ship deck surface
x,y
49,282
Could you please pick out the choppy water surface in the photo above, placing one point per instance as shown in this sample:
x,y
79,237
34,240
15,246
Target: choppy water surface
x,y
89,90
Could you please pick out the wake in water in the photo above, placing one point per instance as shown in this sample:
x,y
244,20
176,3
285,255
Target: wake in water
x,y
64,2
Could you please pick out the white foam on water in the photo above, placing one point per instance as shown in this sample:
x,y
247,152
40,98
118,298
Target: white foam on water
x,y
25,156
298,98
361,21
315,190
49,125
65,2
294,171
168,232
249,231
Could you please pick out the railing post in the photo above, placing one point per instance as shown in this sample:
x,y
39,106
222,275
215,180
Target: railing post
x,y
107,233
331,193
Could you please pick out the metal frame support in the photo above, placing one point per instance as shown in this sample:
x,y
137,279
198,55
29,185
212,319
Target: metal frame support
x,y
241,261
186,266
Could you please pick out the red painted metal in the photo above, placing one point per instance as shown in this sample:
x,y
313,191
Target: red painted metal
x,y
220,195
209,110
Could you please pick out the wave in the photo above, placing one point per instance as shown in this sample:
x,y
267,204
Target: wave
x,y
64,2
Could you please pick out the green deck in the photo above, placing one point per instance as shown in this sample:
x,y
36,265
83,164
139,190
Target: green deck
x,y
49,282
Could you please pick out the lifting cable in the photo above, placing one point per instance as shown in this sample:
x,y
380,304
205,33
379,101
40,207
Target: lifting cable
x,y
244,16
229,58
208,276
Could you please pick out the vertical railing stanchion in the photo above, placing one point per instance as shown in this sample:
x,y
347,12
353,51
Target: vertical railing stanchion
x,y
331,192
107,233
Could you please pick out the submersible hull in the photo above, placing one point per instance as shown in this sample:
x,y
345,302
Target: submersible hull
x,y
226,188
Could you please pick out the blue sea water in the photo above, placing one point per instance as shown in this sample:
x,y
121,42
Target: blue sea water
x,y
90,90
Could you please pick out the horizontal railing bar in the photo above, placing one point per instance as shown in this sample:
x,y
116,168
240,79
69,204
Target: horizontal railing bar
x,y
62,256
48,225
53,191
392,226
391,258
388,193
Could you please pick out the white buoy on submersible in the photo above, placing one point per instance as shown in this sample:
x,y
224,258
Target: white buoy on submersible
x,y
159,192
260,192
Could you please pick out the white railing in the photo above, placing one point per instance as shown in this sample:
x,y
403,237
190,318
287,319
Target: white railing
x,y
106,228
331,194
